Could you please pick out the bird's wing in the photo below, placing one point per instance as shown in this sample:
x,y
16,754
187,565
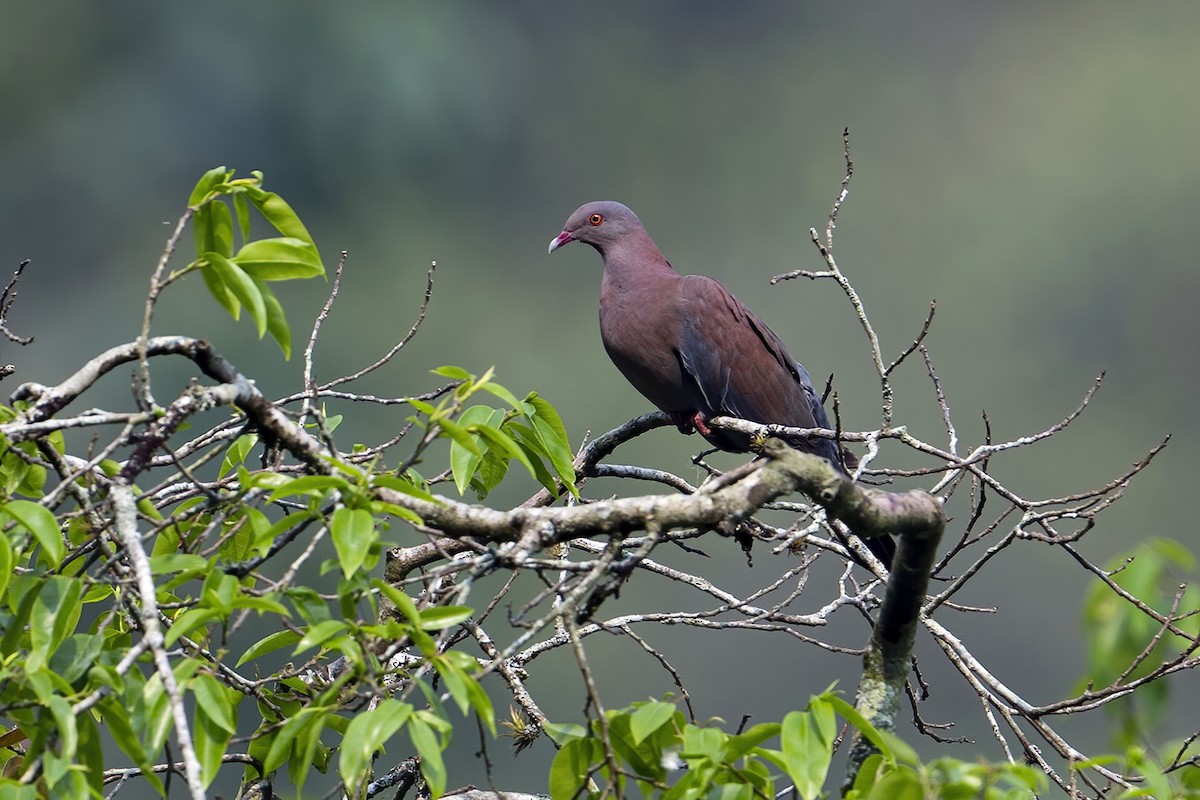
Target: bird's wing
x,y
738,365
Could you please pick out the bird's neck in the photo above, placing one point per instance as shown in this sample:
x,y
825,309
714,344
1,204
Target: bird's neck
x,y
635,265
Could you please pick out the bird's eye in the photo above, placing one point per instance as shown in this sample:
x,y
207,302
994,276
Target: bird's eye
x,y
596,219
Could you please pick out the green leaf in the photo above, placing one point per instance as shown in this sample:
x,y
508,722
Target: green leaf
x,y
242,211
281,745
645,760
441,617
312,485
569,770
898,784
481,704
241,286
732,791
354,533
806,754
366,735
559,452
742,743
420,405
212,696
868,773
218,288
219,590
430,751
320,633
22,594
465,453
269,644
277,324
178,562
67,733
278,213
855,718
503,442
502,393
900,749
453,373
490,473
237,452
147,508
208,181
463,665
38,520
261,604
380,507
1173,551
6,563
211,740
89,757
14,469
649,718
405,606
118,717
280,259
264,539
562,732
403,602
222,229
547,412
1157,783
189,621
76,655
825,719
459,434
706,742
202,231
404,486
455,680
308,752
537,455
53,618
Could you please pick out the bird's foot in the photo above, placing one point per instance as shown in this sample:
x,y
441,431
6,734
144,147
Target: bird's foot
x,y
682,420
690,422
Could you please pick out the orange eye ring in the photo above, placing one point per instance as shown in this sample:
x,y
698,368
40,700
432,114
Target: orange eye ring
x,y
596,219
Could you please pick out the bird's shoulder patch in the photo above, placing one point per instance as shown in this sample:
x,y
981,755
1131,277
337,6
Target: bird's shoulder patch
x,y
711,295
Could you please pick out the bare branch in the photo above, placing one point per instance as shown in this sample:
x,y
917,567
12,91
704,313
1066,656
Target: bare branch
x,y
125,519
412,331
6,300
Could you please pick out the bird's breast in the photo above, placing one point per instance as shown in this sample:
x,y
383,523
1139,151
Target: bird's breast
x,y
640,334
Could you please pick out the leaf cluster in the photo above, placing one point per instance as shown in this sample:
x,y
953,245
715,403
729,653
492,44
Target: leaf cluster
x,y
238,278
651,746
485,439
1126,644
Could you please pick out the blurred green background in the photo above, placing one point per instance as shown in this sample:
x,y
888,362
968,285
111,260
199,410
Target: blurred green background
x,y
1034,167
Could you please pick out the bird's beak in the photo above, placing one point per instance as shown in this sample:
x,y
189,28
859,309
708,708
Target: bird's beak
x,y
560,240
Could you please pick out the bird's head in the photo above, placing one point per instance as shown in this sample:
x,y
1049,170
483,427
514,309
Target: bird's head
x,y
600,223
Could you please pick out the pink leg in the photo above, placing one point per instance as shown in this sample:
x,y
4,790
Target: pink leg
x,y
682,420
687,423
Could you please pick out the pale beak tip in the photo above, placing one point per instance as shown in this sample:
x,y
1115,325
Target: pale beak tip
x,y
559,241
